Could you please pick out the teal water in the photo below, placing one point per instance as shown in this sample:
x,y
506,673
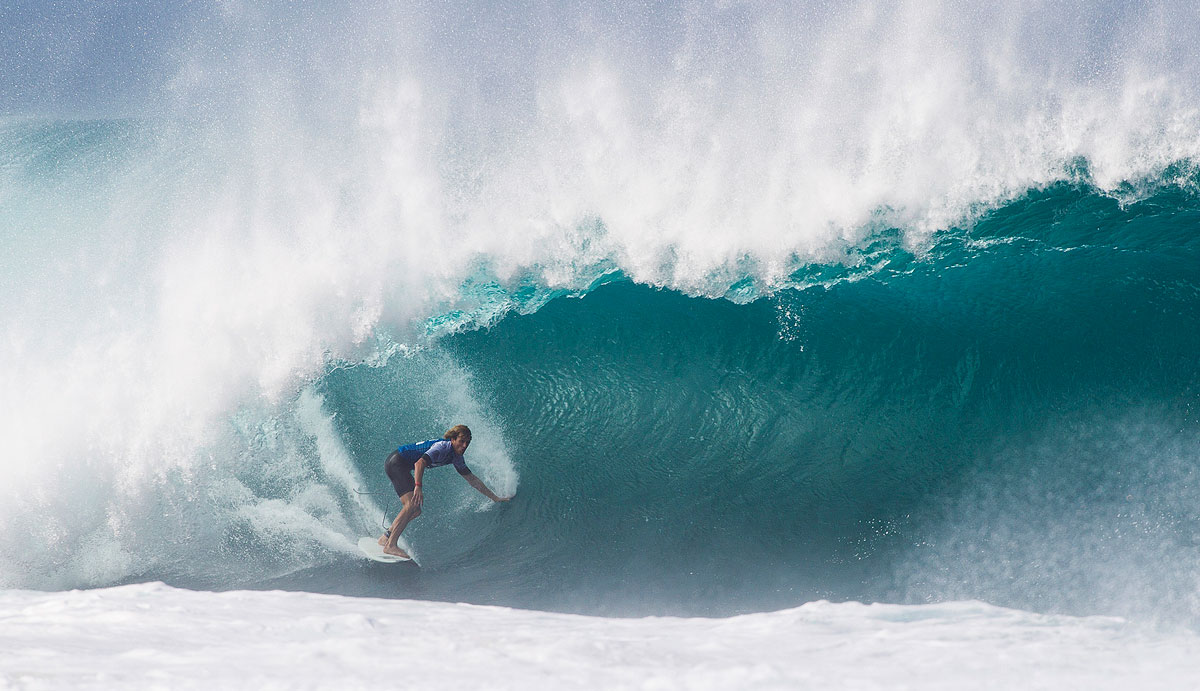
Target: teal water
x,y
1008,415
1001,410
750,303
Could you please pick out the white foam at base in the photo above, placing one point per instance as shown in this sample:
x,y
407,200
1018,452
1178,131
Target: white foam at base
x,y
152,635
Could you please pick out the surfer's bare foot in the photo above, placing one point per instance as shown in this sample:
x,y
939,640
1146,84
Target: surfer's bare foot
x,y
396,552
383,541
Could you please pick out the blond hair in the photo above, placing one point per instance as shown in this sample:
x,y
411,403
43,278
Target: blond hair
x,y
458,431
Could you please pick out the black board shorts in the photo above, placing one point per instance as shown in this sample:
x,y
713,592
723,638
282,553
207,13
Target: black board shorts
x,y
400,472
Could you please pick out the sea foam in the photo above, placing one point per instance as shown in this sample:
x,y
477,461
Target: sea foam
x,y
153,636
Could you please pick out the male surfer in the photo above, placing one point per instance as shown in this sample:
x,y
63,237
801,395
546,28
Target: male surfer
x,y
406,465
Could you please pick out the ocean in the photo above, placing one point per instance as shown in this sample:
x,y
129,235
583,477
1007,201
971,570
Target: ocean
x,y
760,312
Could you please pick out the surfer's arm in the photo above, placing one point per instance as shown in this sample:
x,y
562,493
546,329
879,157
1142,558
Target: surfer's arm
x,y
483,489
418,473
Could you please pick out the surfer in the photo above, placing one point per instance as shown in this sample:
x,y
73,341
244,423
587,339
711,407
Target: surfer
x,y
405,467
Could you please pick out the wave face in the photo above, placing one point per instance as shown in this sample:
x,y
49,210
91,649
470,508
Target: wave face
x,y
751,305
1008,416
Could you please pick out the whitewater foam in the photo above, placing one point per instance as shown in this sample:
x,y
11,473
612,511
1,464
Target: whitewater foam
x,y
152,636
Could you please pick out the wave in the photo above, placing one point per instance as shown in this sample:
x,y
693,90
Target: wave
x,y
839,268
1007,418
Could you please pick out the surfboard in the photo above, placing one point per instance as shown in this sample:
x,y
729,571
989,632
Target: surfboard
x,y
370,547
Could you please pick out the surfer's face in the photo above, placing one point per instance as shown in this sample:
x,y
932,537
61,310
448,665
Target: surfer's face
x,y
460,445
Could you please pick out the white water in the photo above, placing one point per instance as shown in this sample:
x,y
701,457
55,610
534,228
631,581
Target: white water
x,y
153,636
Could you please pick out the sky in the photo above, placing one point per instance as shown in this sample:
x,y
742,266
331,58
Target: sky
x,y
86,56
81,58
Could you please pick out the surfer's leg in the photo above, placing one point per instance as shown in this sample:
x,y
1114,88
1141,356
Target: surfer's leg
x,y
409,512
399,471
383,539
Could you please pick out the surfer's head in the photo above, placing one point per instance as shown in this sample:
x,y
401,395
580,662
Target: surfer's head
x,y
460,438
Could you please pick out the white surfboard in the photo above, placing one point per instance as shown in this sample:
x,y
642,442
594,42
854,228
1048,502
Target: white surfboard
x,y
370,546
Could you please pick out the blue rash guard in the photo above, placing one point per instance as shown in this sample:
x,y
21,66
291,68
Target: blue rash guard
x,y
439,452
400,463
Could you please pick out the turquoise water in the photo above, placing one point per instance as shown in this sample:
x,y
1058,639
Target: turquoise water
x,y
750,304
1009,415
1003,411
